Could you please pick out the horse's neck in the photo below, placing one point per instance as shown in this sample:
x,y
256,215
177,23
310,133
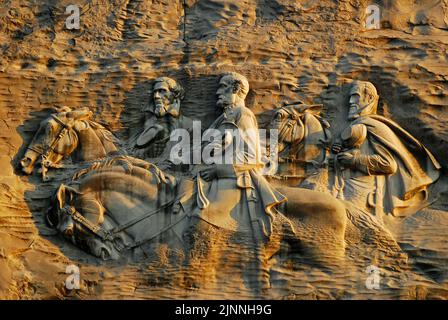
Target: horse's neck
x,y
315,138
91,146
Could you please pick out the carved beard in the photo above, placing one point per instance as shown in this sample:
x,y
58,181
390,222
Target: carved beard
x,y
226,103
355,111
162,109
222,105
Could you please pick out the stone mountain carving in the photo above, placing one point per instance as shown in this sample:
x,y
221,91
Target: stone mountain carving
x,y
122,205
125,202
374,164
114,205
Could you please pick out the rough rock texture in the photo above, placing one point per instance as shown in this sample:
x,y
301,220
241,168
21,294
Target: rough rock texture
x,y
289,50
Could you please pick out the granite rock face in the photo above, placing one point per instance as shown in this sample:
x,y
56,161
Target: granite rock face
x,y
288,50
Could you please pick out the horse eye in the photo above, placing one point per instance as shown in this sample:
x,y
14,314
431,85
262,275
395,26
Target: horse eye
x,y
278,116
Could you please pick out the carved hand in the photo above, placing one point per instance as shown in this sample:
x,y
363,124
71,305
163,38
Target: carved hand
x,y
347,158
209,173
336,147
165,165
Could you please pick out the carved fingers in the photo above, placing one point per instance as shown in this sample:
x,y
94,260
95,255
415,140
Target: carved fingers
x,y
209,173
336,147
347,158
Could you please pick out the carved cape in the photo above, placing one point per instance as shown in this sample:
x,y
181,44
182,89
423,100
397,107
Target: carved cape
x,y
416,166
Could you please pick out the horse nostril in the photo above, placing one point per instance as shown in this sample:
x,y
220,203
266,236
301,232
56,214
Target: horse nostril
x,y
69,229
25,163
68,232
27,170
104,254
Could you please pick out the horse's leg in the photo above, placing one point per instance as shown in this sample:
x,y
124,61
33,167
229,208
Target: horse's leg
x,y
319,220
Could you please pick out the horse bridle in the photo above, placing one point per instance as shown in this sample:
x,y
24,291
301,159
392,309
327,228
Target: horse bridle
x,y
294,120
45,154
111,235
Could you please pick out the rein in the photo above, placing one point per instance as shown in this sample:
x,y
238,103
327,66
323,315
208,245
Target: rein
x,y
59,136
45,164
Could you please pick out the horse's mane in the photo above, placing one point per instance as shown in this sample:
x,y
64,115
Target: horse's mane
x,y
102,132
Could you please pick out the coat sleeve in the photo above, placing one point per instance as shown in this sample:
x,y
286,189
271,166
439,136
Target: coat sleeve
x,y
380,163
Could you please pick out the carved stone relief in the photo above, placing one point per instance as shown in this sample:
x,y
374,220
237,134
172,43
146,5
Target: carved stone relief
x,y
340,190
224,149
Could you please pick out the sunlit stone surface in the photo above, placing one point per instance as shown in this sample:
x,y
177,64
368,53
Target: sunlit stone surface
x,y
356,208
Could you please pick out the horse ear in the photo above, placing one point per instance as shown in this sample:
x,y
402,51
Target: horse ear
x,y
65,193
315,109
59,109
60,196
81,114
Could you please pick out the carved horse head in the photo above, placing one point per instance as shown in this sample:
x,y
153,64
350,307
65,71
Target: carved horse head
x,y
302,134
112,205
74,227
61,134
